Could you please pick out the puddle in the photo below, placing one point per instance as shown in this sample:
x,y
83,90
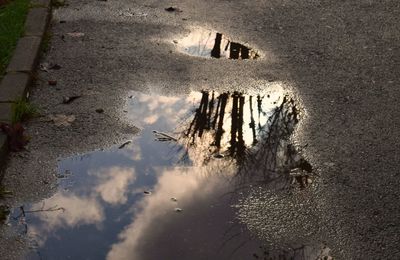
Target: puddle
x,y
170,193
209,43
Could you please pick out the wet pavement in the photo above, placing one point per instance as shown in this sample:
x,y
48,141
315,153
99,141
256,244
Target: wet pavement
x,y
320,179
208,43
176,186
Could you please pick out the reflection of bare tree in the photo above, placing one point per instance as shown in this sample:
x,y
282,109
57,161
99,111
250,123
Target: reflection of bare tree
x,y
216,51
275,157
269,155
206,119
236,50
21,217
252,124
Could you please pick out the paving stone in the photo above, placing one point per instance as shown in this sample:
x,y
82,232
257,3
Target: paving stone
x,y
25,54
14,86
36,22
41,3
3,153
5,112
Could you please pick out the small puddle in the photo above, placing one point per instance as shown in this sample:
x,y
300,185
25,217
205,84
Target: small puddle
x,y
209,43
171,192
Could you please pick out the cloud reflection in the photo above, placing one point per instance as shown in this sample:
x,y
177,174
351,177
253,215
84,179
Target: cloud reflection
x,y
84,207
113,184
216,132
78,211
188,185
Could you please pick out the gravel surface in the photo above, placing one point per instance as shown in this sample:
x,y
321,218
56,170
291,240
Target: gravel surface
x,y
339,59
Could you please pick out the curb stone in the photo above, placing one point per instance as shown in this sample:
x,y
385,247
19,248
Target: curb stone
x,y
3,152
25,55
36,22
14,86
18,77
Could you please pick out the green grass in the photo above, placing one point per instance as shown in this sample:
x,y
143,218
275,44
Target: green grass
x,y
12,20
4,212
22,110
46,41
57,3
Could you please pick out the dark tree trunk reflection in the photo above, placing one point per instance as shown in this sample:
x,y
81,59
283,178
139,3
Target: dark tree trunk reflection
x,y
216,51
267,152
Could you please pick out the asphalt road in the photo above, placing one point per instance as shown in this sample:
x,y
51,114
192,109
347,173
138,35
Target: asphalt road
x,y
339,59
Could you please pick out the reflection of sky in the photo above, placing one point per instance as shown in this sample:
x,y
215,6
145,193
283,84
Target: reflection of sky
x,y
201,41
173,114
108,215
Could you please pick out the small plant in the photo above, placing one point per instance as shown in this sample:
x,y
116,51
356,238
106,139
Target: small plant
x,y
46,41
4,193
22,110
58,3
4,212
17,140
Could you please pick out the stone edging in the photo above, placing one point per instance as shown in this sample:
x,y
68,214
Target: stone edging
x,y
20,70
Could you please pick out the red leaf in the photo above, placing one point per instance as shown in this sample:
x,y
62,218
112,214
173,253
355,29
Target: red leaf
x,y
16,138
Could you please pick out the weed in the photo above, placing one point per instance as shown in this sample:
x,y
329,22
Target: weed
x,y
46,41
4,193
4,212
57,3
22,110
37,5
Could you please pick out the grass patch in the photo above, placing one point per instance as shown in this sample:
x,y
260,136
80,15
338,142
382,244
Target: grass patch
x,y
22,110
4,193
46,41
4,212
57,3
12,21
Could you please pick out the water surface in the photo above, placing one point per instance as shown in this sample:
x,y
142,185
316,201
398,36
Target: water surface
x,y
171,191
209,43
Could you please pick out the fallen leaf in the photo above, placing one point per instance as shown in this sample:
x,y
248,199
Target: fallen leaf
x,y
44,67
76,34
52,82
126,13
16,138
173,9
67,100
141,14
54,66
160,136
219,156
124,144
62,120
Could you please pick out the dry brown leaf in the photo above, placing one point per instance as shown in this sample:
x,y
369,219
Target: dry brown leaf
x,y
76,34
62,120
